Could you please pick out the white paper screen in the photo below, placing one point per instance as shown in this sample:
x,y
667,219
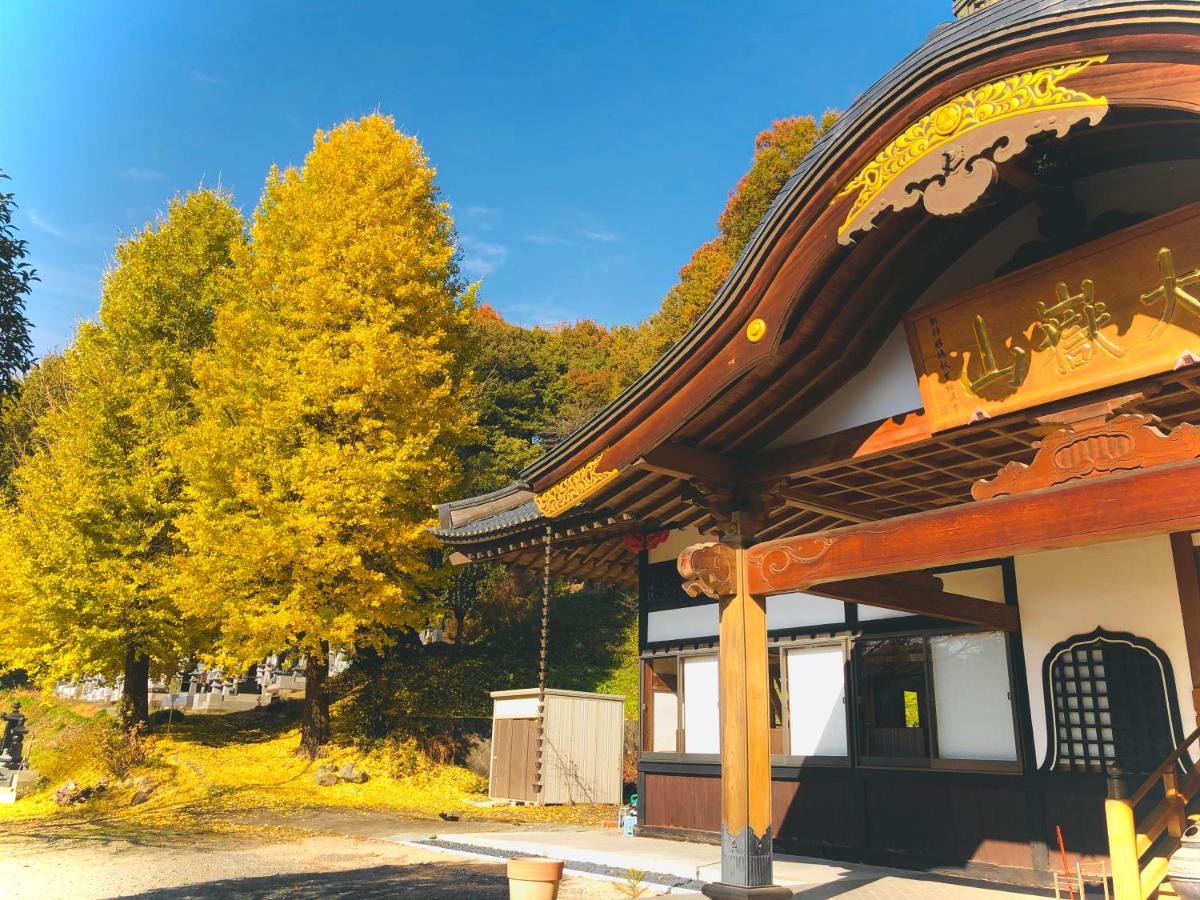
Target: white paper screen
x,y
701,705
666,721
971,695
816,701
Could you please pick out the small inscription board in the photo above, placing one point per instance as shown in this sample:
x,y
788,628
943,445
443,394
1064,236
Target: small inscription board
x,y
1117,309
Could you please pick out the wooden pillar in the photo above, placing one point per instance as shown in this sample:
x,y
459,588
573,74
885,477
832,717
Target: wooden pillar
x,y
746,837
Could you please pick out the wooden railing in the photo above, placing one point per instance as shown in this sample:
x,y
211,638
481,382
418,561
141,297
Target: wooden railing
x,y
1138,851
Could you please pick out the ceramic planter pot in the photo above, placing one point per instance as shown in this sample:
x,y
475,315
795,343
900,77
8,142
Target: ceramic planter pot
x,y
1184,868
534,879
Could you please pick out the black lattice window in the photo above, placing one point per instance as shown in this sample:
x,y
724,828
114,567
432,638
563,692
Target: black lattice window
x,y
661,586
1112,705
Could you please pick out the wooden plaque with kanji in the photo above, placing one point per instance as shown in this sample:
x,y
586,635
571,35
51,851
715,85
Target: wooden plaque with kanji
x,y
1117,309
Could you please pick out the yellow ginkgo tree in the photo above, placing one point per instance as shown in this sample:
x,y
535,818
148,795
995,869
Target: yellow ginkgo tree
x,y
88,538
331,411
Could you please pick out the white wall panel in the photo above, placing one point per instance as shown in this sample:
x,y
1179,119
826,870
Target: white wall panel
x,y
680,624
666,722
701,705
803,611
516,708
874,613
971,694
816,701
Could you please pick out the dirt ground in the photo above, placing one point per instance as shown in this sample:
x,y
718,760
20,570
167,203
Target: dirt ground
x,y
45,866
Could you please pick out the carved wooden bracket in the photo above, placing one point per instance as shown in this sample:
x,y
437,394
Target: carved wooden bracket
x,y
1120,444
733,511
709,569
778,561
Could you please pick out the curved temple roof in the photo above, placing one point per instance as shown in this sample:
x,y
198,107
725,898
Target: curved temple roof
x,y
1003,26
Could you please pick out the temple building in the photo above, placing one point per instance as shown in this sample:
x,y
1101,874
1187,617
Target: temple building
x,y
912,508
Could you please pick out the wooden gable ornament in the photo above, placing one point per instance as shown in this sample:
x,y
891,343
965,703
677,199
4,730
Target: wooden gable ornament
x,y
947,159
1123,443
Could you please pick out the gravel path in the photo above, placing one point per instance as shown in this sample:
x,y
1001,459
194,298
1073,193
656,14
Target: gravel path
x,y
324,867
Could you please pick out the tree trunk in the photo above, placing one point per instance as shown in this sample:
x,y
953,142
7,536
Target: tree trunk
x,y
315,730
460,622
135,696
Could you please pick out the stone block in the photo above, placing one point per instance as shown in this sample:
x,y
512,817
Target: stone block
x,y
16,784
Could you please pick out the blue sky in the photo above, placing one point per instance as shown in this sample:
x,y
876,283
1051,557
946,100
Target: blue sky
x,y
586,147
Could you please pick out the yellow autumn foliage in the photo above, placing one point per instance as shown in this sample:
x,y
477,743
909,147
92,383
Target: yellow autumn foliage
x,y
330,406
87,546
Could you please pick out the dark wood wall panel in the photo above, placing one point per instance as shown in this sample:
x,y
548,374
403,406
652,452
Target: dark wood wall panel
x,y
904,817
1081,817
821,812
683,801
945,821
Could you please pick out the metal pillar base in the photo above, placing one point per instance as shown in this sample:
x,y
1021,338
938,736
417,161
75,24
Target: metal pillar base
x,y
746,857
746,863
720,891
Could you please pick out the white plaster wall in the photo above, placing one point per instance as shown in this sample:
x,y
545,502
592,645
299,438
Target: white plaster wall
x,y
1123,586
679,540
985,583
887,387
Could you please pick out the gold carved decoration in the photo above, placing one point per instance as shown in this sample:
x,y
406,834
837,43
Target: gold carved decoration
x,y
573,489
709,569
966,7
1121,308
948,157
1119,444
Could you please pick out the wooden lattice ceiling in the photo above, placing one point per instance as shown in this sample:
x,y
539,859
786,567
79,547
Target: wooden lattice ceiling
x,y
928,474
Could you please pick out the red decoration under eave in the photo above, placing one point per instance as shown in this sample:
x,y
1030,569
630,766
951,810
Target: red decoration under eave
x,y
636,543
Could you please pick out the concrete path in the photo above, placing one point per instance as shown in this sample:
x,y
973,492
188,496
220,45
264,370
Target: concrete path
x,y
53,866
810,879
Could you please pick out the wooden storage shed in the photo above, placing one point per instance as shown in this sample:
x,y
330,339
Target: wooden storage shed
x,y
584,740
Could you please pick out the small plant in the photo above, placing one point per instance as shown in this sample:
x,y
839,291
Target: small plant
x,y
631,884
122,750
403,758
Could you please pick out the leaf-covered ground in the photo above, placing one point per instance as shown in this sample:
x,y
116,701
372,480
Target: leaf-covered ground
x,y
210,772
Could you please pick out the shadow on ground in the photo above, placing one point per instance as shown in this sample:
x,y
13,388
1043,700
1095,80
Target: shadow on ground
x,y
248,726
436,882
912,887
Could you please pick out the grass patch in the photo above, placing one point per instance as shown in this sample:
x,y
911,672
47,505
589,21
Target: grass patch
x,y
208,772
